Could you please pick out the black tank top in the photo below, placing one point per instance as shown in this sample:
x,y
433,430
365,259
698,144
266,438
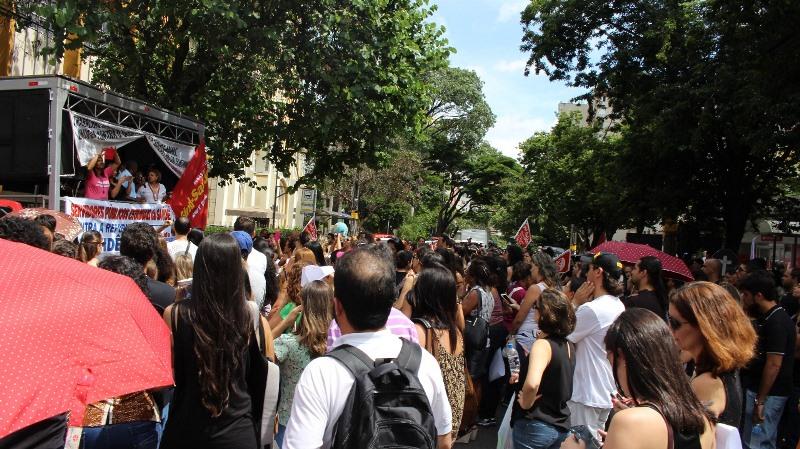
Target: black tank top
x,y
190,424
676,439
732,414
555,387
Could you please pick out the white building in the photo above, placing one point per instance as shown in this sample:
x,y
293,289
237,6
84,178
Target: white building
x,y
233,200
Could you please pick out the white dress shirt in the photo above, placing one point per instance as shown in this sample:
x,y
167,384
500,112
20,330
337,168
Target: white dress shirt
x,y
322,391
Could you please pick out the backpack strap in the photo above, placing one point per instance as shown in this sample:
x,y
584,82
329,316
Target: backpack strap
x,y
354,359
410,356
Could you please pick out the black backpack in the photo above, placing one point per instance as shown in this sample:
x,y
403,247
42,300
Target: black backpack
x,y
387,406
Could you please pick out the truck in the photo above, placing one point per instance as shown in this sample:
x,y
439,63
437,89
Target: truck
x,y
48,123
477,235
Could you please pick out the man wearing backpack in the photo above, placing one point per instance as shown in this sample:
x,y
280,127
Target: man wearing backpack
x,y
373,389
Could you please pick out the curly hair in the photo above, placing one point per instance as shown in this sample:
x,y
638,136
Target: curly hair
x,y
728,337
556,313
293,282
20,230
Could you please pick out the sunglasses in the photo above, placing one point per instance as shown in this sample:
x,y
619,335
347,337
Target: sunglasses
x,y
675,323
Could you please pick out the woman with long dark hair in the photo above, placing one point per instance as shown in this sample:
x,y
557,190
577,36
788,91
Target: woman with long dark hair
x,y
211,407
664,412
712,328
435,314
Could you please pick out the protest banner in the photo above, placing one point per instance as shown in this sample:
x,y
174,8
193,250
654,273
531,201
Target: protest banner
x,y
190,196
110,218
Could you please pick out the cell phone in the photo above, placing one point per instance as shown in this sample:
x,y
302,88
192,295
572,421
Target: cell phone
x,y
109,153
506,298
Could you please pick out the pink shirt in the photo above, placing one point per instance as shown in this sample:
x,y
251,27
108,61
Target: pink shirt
x,y
97,186
398,324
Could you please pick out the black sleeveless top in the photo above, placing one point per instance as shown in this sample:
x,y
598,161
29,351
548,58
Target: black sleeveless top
x,y
555,387
732,414
190,424
677,440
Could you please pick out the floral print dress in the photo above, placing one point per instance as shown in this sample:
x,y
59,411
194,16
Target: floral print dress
x,y
292,358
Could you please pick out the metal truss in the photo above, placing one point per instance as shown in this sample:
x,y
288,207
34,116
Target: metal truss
x,y
128,119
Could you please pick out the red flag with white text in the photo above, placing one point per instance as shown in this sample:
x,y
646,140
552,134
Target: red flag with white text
x,y
523,236
190,196
311,228
564,261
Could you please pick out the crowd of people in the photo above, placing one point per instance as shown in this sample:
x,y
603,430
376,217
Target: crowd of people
x,y
402,344
109,179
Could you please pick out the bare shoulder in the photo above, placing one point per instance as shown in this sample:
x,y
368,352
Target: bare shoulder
x,y
706,382
636,428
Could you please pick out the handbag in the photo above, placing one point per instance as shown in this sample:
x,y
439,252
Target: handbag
x,y
476,329
263,385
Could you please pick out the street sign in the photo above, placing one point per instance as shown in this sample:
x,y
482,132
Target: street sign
x,y
307,200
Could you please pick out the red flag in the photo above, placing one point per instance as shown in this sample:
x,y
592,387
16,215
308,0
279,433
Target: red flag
x,y
564,261
190,195
523,236
311,228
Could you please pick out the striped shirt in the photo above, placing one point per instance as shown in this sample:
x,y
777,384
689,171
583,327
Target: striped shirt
x,y
398,324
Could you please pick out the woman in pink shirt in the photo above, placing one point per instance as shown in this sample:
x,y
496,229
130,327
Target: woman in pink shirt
x,y
97,180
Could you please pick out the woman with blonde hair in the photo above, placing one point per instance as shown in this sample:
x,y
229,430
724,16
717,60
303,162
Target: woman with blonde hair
x,y
295,350
711,327
184,266
304,255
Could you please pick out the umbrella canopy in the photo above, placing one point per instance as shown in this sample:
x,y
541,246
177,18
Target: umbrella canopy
x,y
66,225
72,335
631,253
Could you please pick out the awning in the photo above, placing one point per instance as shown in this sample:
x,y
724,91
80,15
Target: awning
x,y
253,212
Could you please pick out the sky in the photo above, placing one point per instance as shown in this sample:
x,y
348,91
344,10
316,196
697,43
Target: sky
x,y
487,35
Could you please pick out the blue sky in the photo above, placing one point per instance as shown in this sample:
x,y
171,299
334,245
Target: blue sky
x,y
486,35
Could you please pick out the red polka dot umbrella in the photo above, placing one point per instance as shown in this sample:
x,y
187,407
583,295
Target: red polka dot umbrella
x,y
66,225
631,253
72,335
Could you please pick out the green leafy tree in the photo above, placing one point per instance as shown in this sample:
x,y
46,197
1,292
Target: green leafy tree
x,y
572,177
707,92
337,80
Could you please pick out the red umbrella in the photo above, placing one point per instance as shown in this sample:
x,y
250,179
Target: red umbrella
x,y
72,335
631,253
66,225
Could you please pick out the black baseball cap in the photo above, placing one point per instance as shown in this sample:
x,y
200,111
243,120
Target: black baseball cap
x,y
609,262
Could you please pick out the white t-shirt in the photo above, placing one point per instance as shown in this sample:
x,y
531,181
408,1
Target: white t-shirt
x,y
321,392
152,195
593,381
178,246
256,267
